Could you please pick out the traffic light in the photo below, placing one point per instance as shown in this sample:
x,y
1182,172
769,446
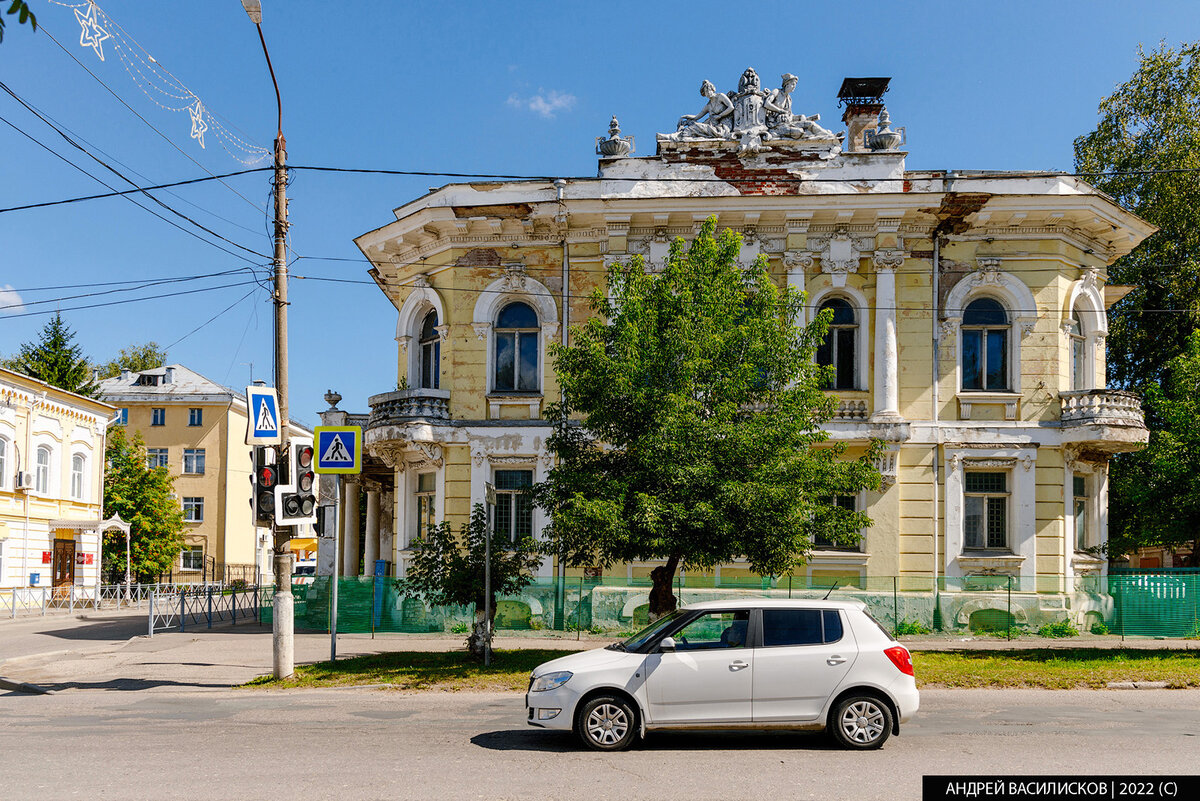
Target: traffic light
x,y
297,500
264,482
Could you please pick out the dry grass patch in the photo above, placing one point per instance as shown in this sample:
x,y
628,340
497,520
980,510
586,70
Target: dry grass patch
x,y
1055,668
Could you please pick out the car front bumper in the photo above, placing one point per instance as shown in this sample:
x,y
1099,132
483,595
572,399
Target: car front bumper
x,y
539,708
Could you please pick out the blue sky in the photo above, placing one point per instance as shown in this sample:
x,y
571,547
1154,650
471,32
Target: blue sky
x,y
520,88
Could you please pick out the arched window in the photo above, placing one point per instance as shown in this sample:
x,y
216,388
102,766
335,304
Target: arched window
x,y
516,362
840,345
1079,371
77,465
985,336
431,352
42,470
3,461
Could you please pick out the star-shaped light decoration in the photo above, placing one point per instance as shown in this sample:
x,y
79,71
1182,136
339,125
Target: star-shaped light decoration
x,y
91,34
199,126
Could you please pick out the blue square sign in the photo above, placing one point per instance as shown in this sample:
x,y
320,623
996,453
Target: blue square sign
x,y
338,449
262,416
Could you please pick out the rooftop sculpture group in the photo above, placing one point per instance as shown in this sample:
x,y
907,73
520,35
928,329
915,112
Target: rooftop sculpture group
x,y
749,116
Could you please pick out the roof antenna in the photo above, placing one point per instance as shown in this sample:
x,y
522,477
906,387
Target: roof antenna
x,y
831,589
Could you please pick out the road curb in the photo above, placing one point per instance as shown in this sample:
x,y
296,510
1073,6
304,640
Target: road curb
x,y
1139,685
22,687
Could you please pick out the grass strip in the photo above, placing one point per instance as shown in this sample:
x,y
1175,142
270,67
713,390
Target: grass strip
x,y
1047,668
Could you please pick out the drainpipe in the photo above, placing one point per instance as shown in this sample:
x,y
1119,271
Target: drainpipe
x,y
30,405
559,186
937,429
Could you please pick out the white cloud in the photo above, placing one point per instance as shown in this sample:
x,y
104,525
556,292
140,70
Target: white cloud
x,y
544,103
10,301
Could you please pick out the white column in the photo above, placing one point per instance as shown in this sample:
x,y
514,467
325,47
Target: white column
x,y
887,355
350,530
796,263
371,547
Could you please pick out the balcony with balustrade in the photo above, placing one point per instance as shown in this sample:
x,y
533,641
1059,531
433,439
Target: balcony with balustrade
x,y
1105,420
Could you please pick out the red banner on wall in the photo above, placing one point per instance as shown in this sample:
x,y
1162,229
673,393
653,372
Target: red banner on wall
x,y
47,557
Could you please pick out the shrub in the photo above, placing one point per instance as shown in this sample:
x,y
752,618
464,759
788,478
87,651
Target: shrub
x,y
459,628
909,627
1100,628
1061,628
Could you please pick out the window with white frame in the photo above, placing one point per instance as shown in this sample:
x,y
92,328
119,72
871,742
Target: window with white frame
x,y
195,417
1081,512
514,507
158,416
985,510
426,498
191,557
193,461
516,349
41,476
78,464
122,417
193,509
430,344
2,557
985,341
1079,361
156,457
3,466
840,346
823,543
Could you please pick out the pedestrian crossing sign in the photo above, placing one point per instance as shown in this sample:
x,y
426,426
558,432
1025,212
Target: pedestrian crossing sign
x,y
339,449
262,416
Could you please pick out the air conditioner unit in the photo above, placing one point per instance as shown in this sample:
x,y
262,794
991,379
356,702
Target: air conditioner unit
x,y
24,481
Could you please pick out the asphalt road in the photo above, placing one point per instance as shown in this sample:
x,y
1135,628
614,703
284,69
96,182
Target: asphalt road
x,y
366,744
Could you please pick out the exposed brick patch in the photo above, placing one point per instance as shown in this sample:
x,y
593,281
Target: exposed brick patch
x,y
479,257
769,180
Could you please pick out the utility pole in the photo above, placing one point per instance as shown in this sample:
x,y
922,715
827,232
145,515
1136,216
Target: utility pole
x,y
283,604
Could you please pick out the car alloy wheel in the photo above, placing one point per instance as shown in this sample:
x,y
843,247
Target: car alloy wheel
x,y
607,723
861,722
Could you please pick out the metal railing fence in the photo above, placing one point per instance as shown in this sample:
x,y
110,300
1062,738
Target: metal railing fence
x,y
16,601
195,607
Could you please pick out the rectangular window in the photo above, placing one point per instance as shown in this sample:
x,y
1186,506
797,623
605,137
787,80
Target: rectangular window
x,y
1078,364
191,558
714,630
122,417
985,510
426,497
985,359
1081,515
156,457
823,543
146,381
195,417
158,417
193,461
1,557
193,509
791,627
514,509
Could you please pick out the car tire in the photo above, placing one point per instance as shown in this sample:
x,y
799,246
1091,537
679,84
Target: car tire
x,y
860,722
607,723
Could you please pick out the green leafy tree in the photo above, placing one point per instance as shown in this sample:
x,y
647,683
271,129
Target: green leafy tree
x,y
1149,134
446,570
689,429
55,359
144,499
1169,468
135,359
21,9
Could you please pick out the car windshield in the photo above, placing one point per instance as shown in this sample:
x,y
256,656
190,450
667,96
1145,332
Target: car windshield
x,y
639,640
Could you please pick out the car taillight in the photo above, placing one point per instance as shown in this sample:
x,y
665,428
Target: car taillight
x,y
901,658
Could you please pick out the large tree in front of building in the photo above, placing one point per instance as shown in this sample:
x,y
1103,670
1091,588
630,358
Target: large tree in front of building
x,y
144,498
1156,493
1148,138
689,426
55,359
447,570
135,359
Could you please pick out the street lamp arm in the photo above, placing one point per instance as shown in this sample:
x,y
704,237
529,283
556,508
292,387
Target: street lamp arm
x,y
278,100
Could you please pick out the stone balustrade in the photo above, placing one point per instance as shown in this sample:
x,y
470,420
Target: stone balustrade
x,y
851,411
1101,407
408,405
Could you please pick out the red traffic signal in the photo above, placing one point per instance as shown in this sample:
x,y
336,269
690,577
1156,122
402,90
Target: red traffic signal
x,y
266,477
304,456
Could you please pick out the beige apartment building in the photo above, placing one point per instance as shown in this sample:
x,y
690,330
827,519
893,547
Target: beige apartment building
x,y
51,485
970,315
196,429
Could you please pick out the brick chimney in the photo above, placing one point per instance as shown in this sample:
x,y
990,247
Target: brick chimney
x,y
863,99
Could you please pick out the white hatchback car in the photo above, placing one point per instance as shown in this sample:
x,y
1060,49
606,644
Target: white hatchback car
x,y
746,663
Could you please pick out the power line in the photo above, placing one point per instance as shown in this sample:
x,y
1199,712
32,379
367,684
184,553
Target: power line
x,y
130,281
209,320
134,191
133,300
107,291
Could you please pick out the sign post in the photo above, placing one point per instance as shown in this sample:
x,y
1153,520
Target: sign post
x,y
490,500
338,452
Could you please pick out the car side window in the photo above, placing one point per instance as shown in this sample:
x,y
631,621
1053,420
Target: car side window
x,y
714,630
791,627
833,625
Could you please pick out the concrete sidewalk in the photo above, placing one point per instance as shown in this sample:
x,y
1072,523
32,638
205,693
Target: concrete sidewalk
x,y
110,651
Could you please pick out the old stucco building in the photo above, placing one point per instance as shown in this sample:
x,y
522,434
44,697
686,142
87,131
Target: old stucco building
x,y
970,321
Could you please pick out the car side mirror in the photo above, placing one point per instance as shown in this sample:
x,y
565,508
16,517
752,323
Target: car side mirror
x,y
667,644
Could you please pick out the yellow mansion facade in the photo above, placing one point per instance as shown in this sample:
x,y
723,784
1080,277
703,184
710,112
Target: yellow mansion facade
x,y
969,329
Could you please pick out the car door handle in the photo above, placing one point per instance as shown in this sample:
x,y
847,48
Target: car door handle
x,y
738,665
835,660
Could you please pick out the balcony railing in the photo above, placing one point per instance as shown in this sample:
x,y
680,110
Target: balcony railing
x,y
408,405
1101,407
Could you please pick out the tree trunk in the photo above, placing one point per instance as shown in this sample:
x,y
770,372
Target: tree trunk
x,y
662,596
479,630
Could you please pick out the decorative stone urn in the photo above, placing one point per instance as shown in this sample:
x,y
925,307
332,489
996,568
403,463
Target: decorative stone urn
x,y
615,145
883,137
